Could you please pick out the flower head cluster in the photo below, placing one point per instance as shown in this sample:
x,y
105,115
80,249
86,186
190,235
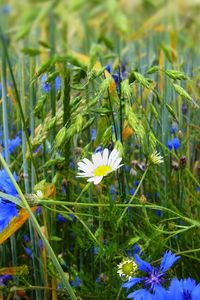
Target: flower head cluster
x,y
155,158
127,268
102,164
154,277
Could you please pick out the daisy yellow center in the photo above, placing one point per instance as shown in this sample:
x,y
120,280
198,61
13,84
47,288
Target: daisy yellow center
x,y
102,170
129,268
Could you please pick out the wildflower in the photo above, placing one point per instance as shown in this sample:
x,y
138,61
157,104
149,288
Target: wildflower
x,y
127,268
184,289
101,165
60,218
155,158
4,278
28,252
57,83
155,276
6,186
76,283
174,128
174,143
7,212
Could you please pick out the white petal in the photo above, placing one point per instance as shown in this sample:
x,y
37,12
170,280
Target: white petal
x,y
97,179
114,169
83,167
97,159
89,163
105,156
116,163
84,174
91,179
113,156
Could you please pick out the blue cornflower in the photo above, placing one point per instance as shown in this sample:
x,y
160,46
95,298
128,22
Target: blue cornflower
x,y
132,191
184,108
7,212
61,219
174,143
154,278
29,252
184,289
26,238
4,279
170,145
76,283
6,185
12,145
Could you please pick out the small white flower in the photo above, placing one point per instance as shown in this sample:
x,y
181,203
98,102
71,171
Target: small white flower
x,y
39,194
102,164
127,268
155,158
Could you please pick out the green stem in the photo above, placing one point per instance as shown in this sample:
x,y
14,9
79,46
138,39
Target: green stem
x,y
38,229
132,198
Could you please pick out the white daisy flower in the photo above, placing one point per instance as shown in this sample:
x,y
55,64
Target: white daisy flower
x,y
127,268
102,164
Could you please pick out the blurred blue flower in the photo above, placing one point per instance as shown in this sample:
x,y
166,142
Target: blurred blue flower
x,y
57,83
12,145
76,283
26,238
184,108
4,279
136,182
174,128
6,9
184,289
132,191
7,212
170,145
46,85
174,143
154,278
28,252
94,134
60,218
6,185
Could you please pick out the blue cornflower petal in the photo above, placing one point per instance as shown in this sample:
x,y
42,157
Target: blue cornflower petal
x,y
6,185
168,260
7,212
142,265
140,294
132,282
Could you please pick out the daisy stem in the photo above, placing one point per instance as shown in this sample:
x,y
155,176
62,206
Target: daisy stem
x,y
41,234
